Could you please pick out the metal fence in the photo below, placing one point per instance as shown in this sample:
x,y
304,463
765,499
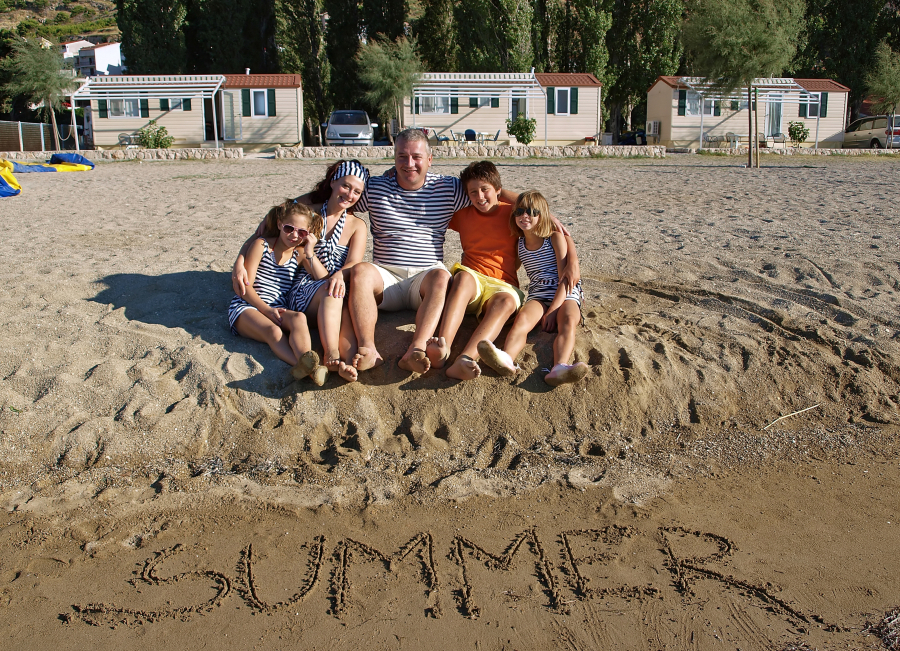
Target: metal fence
x,y
26,136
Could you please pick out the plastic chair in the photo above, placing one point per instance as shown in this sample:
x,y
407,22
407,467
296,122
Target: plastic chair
x,y
441,138
496,137
127,141
470,135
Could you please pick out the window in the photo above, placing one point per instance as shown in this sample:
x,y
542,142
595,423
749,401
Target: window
x,y
259,103
710,107
124,108
479,102
171,105
813,110
562,101
434,104
693,103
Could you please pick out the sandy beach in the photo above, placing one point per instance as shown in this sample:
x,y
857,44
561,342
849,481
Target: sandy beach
x,y
164,482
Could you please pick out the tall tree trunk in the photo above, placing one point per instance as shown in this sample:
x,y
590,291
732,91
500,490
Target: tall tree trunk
x,y
615,115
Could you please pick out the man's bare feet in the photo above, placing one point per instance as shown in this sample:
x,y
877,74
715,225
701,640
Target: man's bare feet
x,y
565,374
497,359
464,368
366,358
306,365
415,361
348,372
438,351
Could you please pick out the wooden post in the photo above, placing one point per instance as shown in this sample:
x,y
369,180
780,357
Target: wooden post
x,y
756,129
750,125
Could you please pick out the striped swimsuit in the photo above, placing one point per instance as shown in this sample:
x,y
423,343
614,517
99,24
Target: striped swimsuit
x,y
543,276
330,253
272,283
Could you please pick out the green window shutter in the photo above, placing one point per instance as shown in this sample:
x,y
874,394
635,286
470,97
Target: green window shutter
x,y
270,97
473,102
802,112
735,105
101,107
717,107
145,108
551,100
495,102
823,106
163,104
573,101
245,102
682,102
186,104
454,105
417,105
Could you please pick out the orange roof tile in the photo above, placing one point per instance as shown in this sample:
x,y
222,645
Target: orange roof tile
x,y
567,79
820,85
262,81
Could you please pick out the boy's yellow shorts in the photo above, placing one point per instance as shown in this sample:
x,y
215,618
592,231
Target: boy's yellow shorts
x,y
486,288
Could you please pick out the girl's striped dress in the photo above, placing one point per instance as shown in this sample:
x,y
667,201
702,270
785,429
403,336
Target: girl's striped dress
x,y
330,253
272,283
543,276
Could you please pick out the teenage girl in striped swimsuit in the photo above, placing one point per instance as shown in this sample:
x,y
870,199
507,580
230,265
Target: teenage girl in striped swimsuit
x,y
272,260
542,252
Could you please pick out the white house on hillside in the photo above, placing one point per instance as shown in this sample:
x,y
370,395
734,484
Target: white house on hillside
x,y
70,50
101,59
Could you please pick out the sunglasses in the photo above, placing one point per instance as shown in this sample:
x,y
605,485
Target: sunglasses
x,y
534,212
288,229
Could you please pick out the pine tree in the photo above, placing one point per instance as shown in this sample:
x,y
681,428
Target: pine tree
x,y
494,35
388,71
300,36
385,17
153,35
436,36
342,43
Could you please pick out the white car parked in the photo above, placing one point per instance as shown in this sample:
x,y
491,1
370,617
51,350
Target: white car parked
x,y
873,132
349,128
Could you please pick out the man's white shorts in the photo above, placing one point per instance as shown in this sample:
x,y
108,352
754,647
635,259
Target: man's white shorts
x,y
402,285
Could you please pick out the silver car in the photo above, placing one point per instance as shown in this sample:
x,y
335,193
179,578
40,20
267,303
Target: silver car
x,y
349,128
873,132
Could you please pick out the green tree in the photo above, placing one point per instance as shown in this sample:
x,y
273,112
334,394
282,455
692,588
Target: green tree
x,y
883,82
841,41
385,17
222,36
153,35
494,35
342,43
388,71
643,42
436,36
732,42
543,38
36,75
300,36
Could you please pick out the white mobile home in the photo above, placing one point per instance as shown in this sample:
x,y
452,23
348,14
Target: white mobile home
x,y
687,112
250,111
566,106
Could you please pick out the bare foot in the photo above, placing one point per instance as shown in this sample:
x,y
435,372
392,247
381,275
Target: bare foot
x,y
464,368
348,372
415,361
497,359
333,362
438,351
307,364
319,375
366,358
565,374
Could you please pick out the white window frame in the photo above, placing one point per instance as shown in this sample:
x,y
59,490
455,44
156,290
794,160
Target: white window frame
x,y
517,96
123,103
436,104
568,111
710,104
253,94
484,101
176,104
692,103
812,109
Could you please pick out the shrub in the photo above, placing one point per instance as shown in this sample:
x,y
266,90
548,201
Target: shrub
x,y
798,132
522,128
154,136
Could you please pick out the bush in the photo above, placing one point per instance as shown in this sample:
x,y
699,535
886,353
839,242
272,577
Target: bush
x,y
798,132
522,128
154,136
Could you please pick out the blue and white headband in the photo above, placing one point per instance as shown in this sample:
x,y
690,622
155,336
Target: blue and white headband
x,y
351,168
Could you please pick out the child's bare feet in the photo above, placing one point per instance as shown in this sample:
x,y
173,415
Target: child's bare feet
x,y
565,374
319,375
497,359
366,358
464,368
415,360
348,372
306,365
438,351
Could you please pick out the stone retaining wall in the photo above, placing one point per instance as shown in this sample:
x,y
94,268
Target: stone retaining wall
x,y
481,151
132,154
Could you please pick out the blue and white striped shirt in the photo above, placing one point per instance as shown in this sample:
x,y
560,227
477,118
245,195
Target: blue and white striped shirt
x,y
408,226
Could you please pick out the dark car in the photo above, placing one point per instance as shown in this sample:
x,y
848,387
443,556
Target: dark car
x,y
636,137
872,132
349,128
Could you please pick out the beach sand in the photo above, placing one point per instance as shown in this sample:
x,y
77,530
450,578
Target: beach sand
x,y
164,482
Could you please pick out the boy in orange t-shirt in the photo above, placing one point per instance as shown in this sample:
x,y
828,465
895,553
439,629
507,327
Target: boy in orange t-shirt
x,y
485,284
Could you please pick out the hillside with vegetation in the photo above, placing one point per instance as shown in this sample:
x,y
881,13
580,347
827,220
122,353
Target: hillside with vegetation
x,y
59,21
